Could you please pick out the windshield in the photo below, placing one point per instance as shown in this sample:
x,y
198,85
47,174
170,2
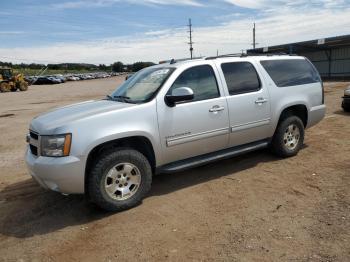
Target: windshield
x,y
142,86
6,73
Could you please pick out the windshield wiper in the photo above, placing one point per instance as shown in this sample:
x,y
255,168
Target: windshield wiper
x,y
125,99
122,97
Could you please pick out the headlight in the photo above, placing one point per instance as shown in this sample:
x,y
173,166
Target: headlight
x,y
56,146
347,92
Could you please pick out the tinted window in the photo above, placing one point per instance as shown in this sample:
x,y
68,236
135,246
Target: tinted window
x,y
291,72
201,80
241,77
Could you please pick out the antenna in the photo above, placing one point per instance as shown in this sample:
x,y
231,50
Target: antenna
x,y
190,31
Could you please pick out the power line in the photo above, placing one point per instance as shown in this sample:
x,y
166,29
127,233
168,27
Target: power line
x,y
191,42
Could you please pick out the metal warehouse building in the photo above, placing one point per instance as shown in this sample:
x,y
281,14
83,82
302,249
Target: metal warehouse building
x,y
330,55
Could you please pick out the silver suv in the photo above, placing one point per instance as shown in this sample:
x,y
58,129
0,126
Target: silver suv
x,y
171,117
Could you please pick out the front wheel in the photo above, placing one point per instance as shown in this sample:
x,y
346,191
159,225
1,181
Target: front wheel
x,y
289,137
23,86
120,179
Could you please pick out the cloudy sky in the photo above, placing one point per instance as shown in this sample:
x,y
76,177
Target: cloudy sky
x,y
104,31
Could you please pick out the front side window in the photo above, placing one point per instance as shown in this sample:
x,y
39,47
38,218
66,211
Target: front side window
x,y
291,72
142,86
201,80
241,77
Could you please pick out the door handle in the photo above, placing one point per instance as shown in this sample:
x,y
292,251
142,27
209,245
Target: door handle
x,y
261,100
216,109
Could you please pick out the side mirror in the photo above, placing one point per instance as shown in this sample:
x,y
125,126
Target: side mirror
x,y
180,94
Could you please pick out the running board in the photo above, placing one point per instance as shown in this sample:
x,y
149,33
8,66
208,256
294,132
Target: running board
x,y
211,157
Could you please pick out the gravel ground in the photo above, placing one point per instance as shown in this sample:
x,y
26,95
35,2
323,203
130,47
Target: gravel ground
x,y
254,207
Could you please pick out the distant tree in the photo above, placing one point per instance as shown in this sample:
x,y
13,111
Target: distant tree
x,y
140,65
128,68
102,67
117,67
73,66
36,66
5,64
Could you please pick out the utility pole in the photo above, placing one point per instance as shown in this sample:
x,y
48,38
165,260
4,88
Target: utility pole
x,y
254,36
254,41
190,43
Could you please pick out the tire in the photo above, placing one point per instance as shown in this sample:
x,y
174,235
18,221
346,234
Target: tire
x,y
345,108
5,87
23,86
114,174
289,137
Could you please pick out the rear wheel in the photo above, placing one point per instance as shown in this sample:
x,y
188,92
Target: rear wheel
x,y
120,179
5,87
289,137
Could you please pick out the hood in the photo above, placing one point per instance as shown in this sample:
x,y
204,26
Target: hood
x,y
46,123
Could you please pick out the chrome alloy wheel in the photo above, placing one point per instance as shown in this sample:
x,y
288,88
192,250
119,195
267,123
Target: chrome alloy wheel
x,y
291,137
122,181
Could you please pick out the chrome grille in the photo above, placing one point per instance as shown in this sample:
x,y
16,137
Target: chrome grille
x,y
34,135
33,140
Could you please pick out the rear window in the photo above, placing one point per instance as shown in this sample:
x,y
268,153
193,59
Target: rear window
x,y
291,72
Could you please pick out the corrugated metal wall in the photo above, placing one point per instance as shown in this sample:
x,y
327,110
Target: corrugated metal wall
x,y
334,63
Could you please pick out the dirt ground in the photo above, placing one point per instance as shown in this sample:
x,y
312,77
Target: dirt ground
x,y
254,207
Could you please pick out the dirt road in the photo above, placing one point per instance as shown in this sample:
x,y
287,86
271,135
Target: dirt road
x,y
250,208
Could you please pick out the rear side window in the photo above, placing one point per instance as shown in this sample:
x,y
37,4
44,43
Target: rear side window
x,y
201,80
241,77
291,72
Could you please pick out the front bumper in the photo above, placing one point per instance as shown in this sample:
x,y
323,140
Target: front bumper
x,y
61,174
346,102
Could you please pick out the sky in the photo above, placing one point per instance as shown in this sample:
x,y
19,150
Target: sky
x,y
105,31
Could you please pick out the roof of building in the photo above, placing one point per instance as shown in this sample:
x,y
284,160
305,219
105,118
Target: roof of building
x,y
306,46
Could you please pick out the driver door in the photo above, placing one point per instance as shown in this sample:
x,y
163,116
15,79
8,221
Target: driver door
x,y
198,126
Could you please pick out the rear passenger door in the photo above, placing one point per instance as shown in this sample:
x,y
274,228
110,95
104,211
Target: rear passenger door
x,y
248,102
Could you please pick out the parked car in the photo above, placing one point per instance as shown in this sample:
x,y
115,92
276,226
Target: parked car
x,y
346,100
171,117
62,78
46,80
72,78
59,78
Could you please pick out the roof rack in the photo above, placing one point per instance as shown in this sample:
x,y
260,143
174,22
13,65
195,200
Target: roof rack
x,y
246,55
227,55
173,61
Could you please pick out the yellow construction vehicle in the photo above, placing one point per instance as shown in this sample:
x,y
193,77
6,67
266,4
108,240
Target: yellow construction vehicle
x,y
10,82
